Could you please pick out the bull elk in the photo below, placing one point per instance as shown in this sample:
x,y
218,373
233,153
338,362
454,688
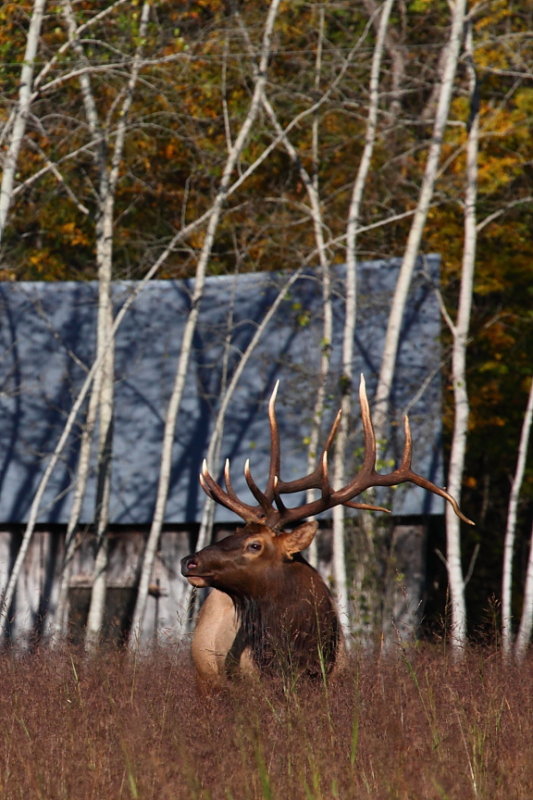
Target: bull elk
x,y
270,612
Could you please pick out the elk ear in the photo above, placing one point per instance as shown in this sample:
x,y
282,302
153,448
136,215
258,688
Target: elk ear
x,y
298,539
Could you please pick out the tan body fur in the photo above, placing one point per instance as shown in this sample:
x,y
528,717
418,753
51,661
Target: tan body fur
x,y
213,637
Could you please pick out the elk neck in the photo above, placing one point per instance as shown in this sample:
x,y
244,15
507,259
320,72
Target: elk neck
x,y
288,620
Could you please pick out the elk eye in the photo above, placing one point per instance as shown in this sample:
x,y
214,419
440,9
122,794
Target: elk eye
x,y
255,547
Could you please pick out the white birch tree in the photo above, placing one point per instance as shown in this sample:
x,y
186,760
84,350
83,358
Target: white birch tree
x,y
16,125
392,336
353,223
460,334
526,621
523,638
109,174
453,49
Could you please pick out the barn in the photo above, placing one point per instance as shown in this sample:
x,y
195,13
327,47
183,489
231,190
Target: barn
x,y
48,332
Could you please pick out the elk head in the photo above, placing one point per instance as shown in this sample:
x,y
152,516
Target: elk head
x,y
284,609
246,562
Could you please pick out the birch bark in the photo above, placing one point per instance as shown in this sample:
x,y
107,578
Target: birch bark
x,y
101,399
354,216
327,324
105,345
523,638
20,117
526,621
460,342
453,48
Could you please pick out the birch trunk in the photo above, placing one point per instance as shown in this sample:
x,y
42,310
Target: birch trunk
x,y
354,215
523,638
57,626
192,318
396,53
20,118
460,341
105,425
315,211
388,363
104,235
524,634
327,324
104,339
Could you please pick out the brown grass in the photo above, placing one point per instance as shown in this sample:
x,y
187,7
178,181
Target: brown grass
x,y
414,726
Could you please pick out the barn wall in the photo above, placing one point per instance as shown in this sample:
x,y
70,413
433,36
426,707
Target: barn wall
x,y
36,594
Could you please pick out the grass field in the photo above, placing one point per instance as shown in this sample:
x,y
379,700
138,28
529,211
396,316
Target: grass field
x,y
414,726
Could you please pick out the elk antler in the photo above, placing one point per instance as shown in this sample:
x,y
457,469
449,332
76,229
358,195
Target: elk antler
x,y
271,510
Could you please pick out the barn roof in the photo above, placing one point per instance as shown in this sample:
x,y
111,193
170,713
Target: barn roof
x,y
47,342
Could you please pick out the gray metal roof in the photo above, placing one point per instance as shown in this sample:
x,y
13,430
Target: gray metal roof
x,y
47,335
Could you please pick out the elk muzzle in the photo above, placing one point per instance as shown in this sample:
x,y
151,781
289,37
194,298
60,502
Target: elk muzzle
x,y
190,568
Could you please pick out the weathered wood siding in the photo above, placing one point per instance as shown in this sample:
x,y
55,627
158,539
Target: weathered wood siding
x,y
36,594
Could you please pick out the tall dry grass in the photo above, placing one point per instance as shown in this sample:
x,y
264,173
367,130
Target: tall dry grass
x,y
414,726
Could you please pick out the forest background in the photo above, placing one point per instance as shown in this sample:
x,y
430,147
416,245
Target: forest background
x,y
130,110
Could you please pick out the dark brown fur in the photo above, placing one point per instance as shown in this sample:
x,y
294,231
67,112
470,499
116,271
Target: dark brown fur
x,y
285,612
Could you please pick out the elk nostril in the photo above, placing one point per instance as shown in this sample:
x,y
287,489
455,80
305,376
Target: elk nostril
x,y
188,563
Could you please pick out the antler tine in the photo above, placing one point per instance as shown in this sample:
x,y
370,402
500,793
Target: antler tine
x,y
319,478
408,446
325,489
366,507
277,496
227,480
265,499
413,477
369,460
205,486
227,499
333,432
262,499
230,490
274,468
404,474
325,486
